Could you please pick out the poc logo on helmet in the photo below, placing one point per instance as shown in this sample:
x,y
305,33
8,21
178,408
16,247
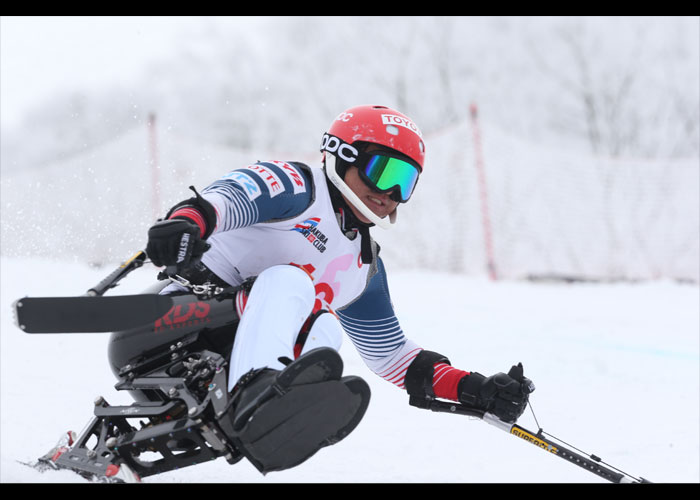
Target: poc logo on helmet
x,y
345,151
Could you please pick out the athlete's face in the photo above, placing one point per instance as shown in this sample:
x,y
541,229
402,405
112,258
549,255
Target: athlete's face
x,y
379,203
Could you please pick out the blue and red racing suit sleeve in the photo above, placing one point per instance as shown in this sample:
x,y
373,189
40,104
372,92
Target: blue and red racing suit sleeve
x,y
262,192
374,329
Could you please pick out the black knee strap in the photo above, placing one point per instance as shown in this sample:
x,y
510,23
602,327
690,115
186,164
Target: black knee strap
x,y
419,378
306,328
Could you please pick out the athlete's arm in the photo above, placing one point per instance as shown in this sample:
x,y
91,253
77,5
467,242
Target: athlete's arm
x,y
262,192
374,329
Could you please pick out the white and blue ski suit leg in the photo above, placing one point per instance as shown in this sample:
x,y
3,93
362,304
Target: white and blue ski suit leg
x,y
279,304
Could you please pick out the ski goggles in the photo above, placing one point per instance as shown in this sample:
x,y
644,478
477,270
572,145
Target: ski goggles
x,y
385,173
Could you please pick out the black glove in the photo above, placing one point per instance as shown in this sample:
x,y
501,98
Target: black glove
x,y
175,243
504,395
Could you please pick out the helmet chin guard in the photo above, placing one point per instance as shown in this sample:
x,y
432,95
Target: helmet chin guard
x,y
338,182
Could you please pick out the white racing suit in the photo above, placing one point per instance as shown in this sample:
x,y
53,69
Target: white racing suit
x,y
275,221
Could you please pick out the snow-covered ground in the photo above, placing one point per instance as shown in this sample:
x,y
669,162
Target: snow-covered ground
x,y
616,369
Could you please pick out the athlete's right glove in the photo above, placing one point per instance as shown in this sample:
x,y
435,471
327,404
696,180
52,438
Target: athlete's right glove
x,y
175,243
504,395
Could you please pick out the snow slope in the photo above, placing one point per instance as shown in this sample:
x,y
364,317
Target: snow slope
x,y
616,369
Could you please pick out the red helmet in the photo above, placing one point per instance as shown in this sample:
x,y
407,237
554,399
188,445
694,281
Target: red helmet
x,y
378,125
383,126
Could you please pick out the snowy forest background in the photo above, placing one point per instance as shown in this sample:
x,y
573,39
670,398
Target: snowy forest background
x,y
588,130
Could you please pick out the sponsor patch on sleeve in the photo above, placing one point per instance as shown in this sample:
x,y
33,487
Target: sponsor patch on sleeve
x,y
270,178
245,181
297,180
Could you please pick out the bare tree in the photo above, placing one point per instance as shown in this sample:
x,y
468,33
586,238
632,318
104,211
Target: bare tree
x,y
607,68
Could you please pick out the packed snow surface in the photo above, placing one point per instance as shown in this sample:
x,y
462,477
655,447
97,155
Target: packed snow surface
x,y
616,369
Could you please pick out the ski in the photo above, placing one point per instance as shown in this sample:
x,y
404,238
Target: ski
x,y
108,474
92,312
116,474
181,429
84,314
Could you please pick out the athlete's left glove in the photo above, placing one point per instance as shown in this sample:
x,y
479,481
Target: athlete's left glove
x,y
175,243
504,395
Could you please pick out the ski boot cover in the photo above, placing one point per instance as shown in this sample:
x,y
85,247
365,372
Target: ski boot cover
x,y
279,419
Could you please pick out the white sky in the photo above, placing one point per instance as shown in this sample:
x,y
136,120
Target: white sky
x,y
39,55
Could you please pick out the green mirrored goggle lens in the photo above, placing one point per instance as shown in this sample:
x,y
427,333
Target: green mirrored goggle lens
x,y
386,173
